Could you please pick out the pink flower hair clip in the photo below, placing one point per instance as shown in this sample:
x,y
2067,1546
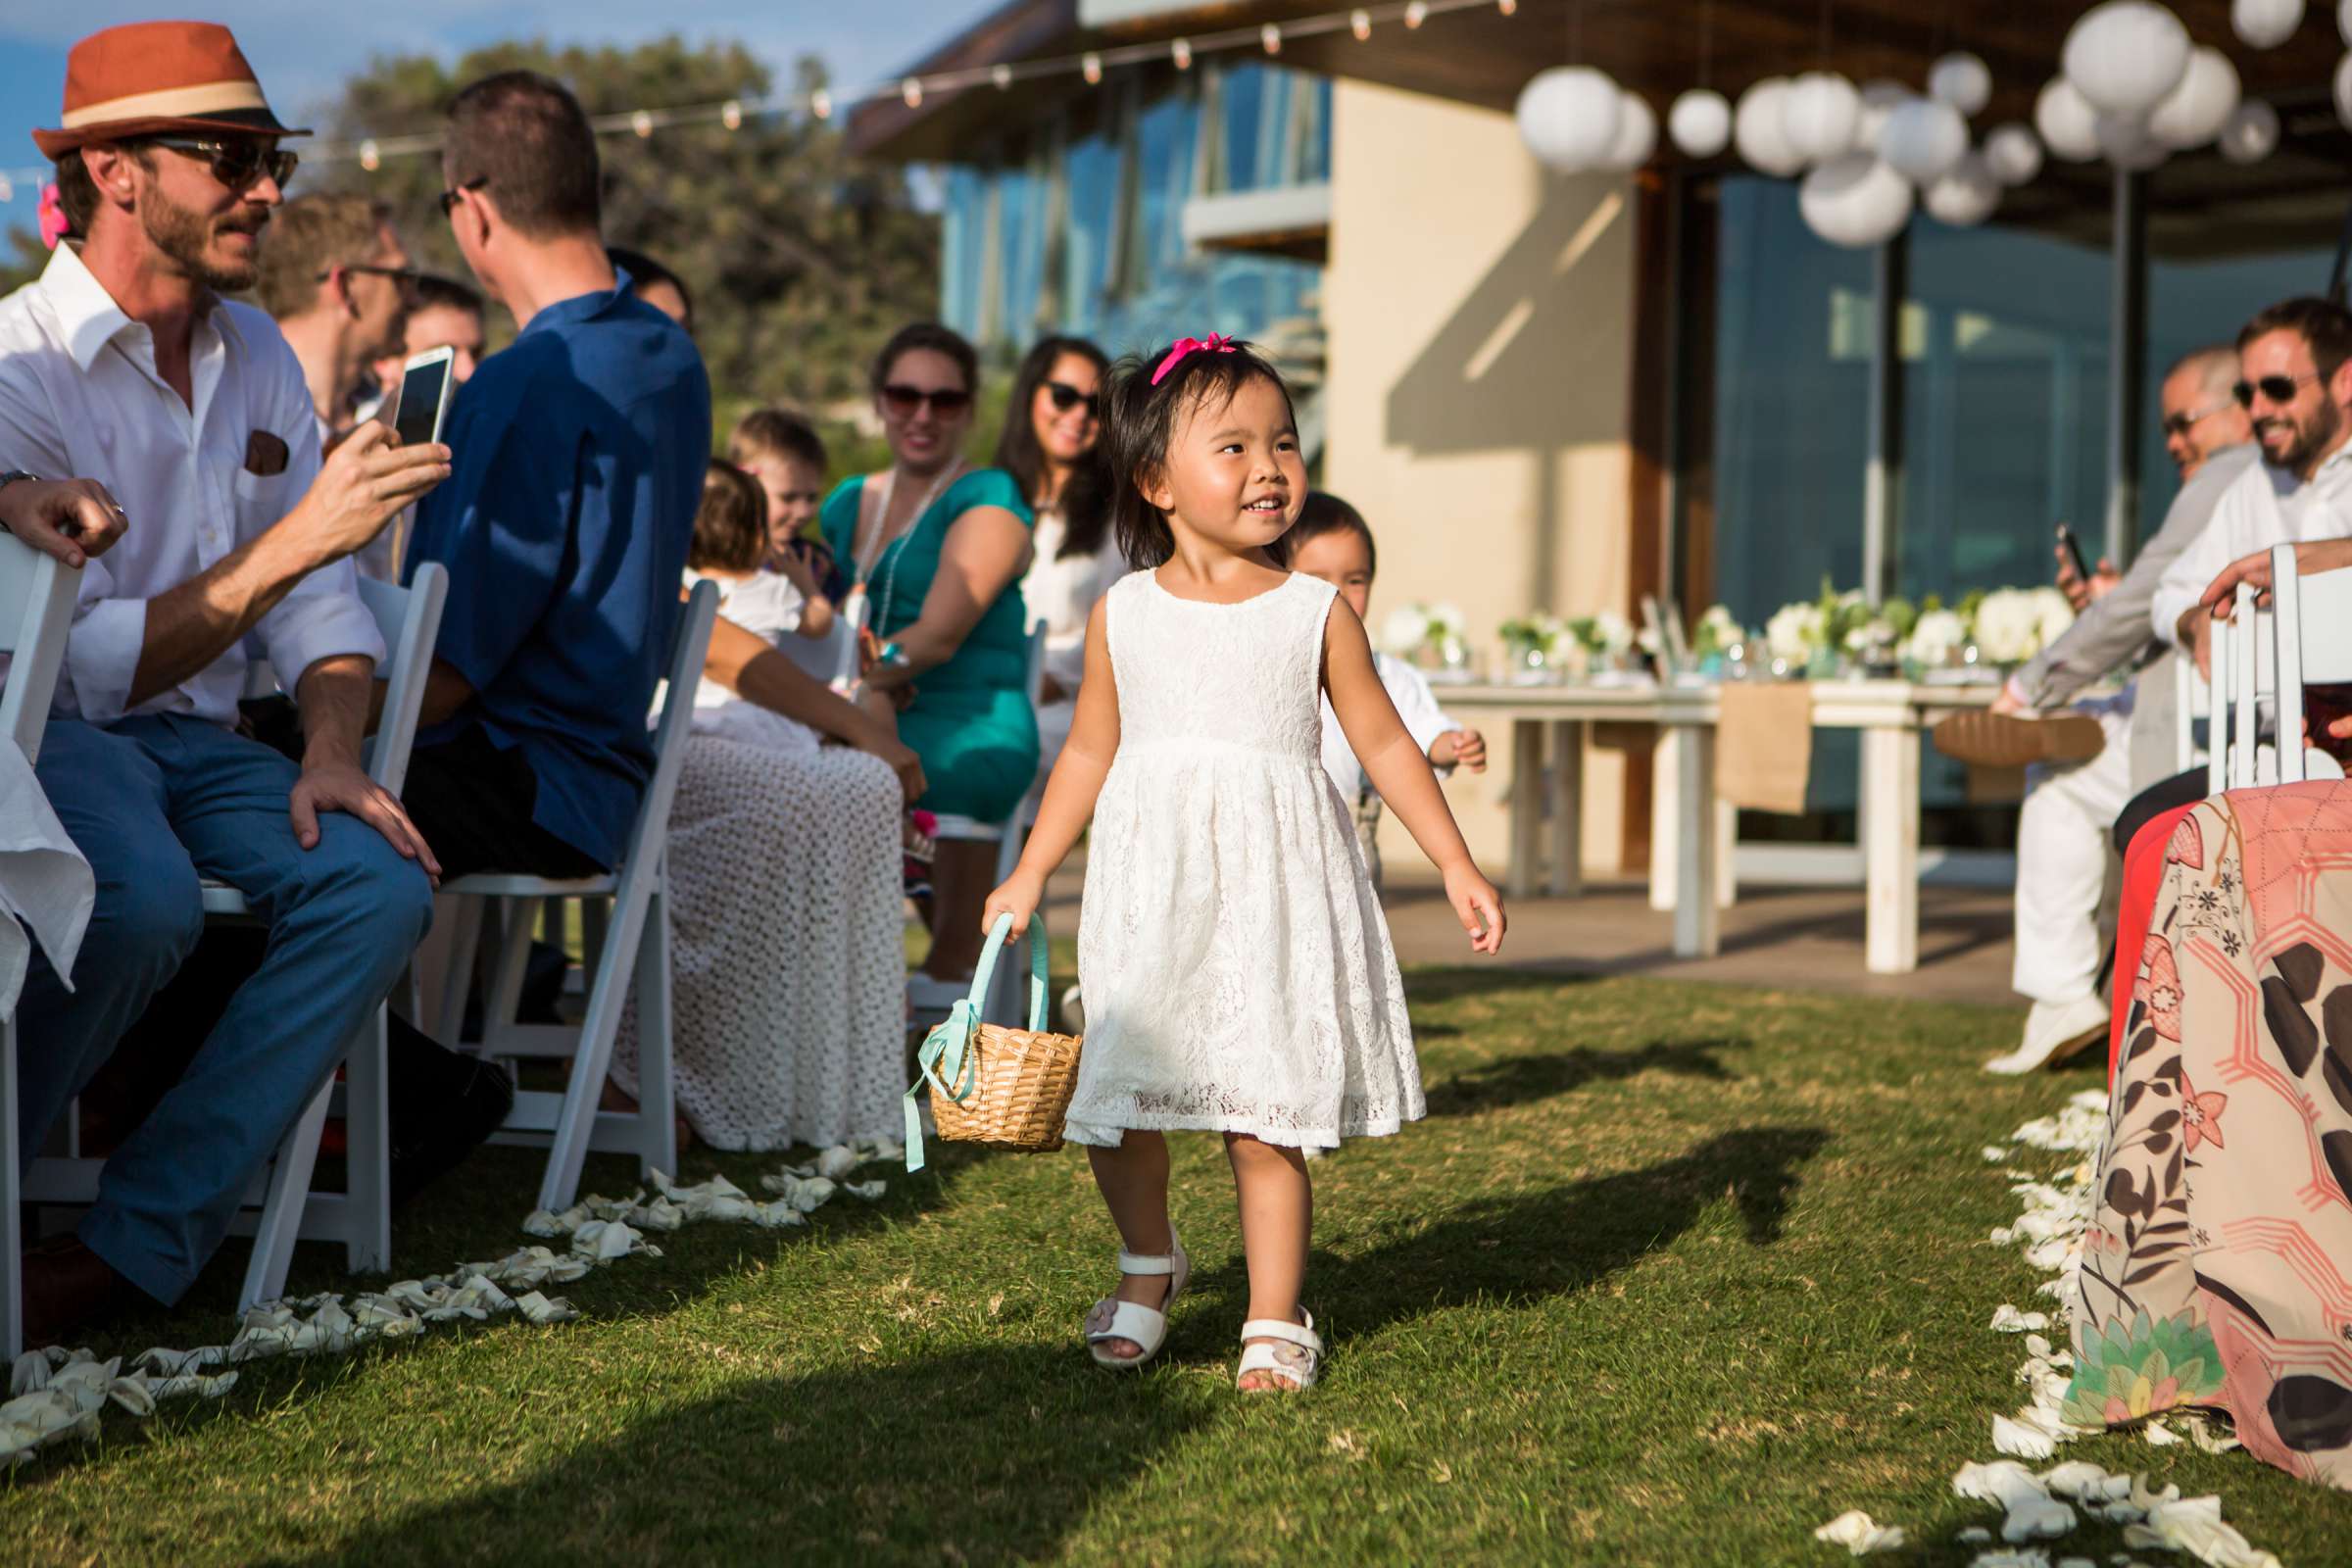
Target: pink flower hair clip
x,y
54,227
1214,343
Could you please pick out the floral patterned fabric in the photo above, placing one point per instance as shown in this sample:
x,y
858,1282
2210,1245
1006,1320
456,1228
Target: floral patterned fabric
x,y
2217,1267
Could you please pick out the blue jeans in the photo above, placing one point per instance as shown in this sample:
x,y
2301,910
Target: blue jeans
x,y
158,803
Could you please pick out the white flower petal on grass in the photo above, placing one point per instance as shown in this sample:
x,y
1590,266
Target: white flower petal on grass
x,y
2011,1557
2024,1439
1859,1534
2002,1482
2159,1435
2074,1478
542,1309
836,1161
2007,1320
869,1191
2041,1518
1974,1536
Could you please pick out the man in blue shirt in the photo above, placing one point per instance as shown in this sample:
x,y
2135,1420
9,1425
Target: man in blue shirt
x,y
579,458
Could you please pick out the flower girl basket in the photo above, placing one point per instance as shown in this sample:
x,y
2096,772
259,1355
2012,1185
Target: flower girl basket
x,y
991,1084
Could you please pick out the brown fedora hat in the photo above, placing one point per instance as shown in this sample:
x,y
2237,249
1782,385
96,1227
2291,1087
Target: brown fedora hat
x,y
148,77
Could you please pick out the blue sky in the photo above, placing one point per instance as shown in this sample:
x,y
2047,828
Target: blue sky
x,y
303,55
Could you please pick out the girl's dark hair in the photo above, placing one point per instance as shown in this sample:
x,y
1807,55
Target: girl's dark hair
x,y
1325,513
730,526
644,271
1085,498
939,340
1138,421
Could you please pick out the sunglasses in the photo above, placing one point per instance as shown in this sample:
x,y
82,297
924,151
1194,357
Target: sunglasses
x,y
2190,419
451,198
238,165
1067,397
905,400
2275,388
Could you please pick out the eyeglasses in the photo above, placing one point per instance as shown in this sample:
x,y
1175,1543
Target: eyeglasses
x,y
1067,397
451,198
905,400
239,163
2275,388
405,277
2188,418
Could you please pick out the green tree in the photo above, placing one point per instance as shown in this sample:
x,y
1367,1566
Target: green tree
x,y
802,260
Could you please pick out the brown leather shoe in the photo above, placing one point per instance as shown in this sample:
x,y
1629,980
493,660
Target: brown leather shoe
x,y
67,1288
2007,740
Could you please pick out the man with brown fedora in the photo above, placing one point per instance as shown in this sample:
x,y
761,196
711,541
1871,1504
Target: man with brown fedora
x,y
121,364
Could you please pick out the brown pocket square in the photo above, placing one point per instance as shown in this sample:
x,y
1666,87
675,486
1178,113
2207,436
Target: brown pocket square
x,y
264,454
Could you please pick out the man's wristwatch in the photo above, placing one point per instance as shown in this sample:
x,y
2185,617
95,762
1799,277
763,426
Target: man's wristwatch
x,y
7,479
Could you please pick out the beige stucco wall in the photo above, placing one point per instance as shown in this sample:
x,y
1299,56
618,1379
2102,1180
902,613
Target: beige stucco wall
x,y
1479,312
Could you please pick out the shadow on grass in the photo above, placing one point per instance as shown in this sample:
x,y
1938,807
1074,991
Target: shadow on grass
x,y
1428,987
995,1453
1521,1080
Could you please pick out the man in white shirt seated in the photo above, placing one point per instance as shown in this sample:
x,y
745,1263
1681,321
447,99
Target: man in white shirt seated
x,y
123,364
2295,379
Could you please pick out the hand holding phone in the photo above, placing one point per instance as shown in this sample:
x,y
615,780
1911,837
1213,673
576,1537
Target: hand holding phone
x,y
2072,551
421,404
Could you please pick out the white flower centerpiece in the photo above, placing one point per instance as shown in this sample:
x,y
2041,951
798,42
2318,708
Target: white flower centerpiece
x,y
1535,648
1431,637
1607,641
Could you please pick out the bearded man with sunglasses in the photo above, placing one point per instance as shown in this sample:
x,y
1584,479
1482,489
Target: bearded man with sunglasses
x,y
123,364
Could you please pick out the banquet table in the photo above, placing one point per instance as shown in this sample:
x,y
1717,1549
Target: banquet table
x,y
1890,715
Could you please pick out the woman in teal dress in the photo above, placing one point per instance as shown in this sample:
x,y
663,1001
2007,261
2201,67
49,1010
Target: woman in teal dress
x,y
937,548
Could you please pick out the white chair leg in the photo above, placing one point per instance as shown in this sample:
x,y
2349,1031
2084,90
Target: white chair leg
x,y
367,1150
575,1122
657,1101
456,986
288,1189
12,1243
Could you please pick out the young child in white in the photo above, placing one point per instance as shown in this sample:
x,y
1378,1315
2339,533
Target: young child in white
x,y
1237,972
1332,540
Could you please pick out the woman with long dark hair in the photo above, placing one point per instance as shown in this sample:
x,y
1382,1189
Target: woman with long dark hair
x,y
1050,447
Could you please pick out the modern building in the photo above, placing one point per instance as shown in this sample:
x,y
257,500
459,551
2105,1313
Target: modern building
x,y
1566,392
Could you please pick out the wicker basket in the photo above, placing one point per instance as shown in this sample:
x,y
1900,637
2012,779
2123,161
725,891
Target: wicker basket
x,y
992,1083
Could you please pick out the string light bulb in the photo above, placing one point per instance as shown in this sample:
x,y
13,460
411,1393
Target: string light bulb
x,y
1181,51
1001,76
1416,12
371,157
1359,22
642,122
1271,36
820,104
912,89
730,114
1510,7
1092,67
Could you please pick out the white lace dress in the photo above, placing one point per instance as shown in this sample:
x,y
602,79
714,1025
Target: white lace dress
x,y
1237,971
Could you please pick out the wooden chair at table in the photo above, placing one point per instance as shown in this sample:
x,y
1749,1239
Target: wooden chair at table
x,y
281,1207
37,611
634,945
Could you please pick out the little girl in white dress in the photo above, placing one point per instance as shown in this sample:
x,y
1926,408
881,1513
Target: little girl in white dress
x,y
1237,971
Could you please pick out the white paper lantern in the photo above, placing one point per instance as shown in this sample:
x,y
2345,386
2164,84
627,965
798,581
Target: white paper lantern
x,y
1819,114
2067,123
2013,154
2195,112
1636,136
1756,128
1879,99
2125,56
1856,201
2251,135
1700,122
2264,24
2343,87
1966,196
1962,80
1923,139
2344,21
2127,143
1568,117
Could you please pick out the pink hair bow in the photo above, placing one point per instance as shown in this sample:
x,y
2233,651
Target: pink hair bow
x,y
54,227
1214,343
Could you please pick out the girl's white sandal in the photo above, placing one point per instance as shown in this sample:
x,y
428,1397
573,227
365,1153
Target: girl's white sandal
x,y
1296,1358
1146,1326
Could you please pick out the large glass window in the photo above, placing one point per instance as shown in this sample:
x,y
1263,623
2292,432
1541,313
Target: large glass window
x,y
1090,171
1021,267
963,231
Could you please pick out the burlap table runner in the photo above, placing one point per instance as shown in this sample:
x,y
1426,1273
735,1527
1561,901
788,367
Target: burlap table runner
x,y
1764,745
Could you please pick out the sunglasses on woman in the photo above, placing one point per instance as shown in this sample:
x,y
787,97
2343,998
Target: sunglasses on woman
x,y
237,163
904,400
2275,388
1067,397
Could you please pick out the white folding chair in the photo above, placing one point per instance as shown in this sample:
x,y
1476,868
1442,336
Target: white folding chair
x,y
36,610
281,1207
2310,628
1008,835
635,944
2263,656
2192,708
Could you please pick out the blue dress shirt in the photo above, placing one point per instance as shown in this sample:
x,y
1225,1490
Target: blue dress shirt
x,y
578,460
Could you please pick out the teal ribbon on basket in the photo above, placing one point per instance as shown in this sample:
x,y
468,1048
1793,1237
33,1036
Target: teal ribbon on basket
x,y
948,1060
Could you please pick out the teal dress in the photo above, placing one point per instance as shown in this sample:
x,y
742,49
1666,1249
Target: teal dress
x,y
971,721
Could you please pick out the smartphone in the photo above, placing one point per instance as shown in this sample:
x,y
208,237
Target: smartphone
x,y
422,401
2065,542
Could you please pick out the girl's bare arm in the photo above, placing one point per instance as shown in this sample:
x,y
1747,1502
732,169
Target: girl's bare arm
x,y
1076,782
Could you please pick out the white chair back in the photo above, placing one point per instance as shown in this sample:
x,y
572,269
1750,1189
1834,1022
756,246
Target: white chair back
x,y
2192,706
2263,657
37,611
410,621
2312,627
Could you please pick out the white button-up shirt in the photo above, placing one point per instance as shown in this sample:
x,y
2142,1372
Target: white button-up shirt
x,y
2265,505
80,398
1416,705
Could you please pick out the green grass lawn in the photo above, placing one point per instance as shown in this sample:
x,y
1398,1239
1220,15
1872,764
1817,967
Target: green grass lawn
x,y
1671,1274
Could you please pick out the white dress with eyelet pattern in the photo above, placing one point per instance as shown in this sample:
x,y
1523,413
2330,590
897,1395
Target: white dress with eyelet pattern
x,y
1237,971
